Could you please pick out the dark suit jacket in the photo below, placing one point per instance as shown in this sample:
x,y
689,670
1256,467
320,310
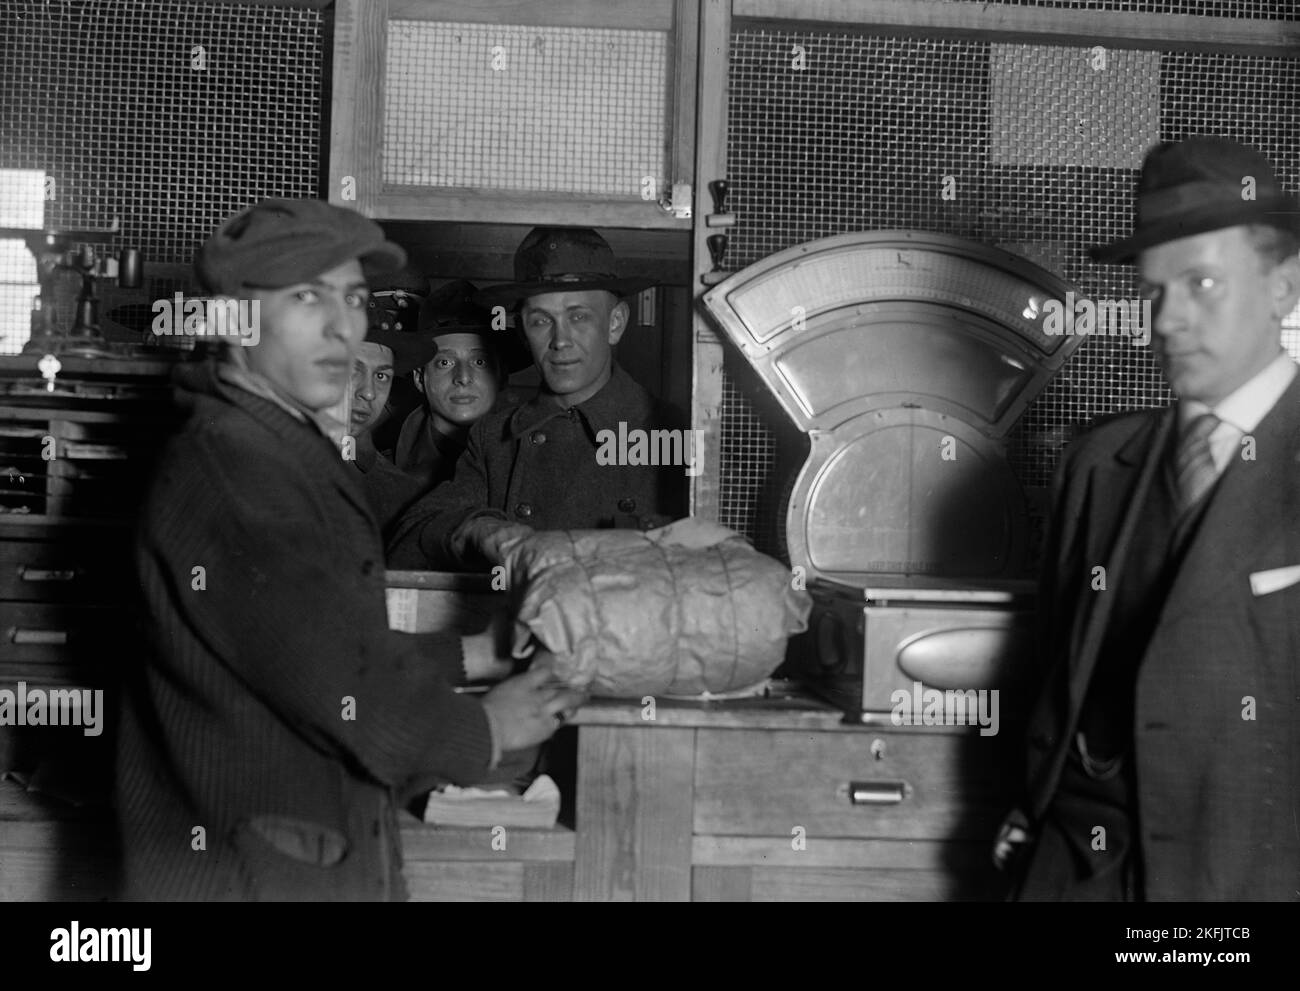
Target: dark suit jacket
x,y
1219,794
536,464
276,722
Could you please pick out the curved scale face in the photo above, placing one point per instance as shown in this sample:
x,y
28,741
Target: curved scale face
x,y
908,494
906,356
890,318
897,354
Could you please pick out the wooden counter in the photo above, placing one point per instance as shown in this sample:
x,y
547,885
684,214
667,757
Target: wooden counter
x,y
764,800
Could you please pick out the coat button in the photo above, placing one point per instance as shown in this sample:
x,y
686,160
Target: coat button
x,y
626,505
538,437
523,510
367,567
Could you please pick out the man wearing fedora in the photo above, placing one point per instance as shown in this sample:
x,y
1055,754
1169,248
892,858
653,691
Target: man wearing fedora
x,y
274,723
460,367
535,467
1164,752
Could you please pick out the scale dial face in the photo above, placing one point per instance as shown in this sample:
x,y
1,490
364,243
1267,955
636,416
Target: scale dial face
x,y
906,357
910,494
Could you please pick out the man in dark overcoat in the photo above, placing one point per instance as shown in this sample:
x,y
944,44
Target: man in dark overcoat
x,y
275,723
1164,753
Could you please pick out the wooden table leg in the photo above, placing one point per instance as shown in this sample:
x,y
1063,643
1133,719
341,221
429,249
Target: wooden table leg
x,y
635,812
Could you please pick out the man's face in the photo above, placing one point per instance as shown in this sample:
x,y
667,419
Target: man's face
x,y
1218,309
309,335
372,378
459,381
571,336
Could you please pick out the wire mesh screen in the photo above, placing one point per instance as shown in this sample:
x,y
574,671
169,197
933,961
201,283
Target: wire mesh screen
x,y
570,110
168,114
1273,10
1031,148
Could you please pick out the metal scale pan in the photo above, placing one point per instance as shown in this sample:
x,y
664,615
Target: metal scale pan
x,y
906,357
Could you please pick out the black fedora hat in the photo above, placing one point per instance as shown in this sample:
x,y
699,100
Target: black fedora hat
x,y
1205,183
561,259
451,309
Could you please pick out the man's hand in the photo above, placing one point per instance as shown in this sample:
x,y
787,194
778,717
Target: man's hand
x,y
529,708
487,654
1013,836
494,539
483,659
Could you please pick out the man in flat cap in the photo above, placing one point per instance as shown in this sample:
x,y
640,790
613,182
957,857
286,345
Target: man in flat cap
x,y
459,366
537,466
1164,753
275,723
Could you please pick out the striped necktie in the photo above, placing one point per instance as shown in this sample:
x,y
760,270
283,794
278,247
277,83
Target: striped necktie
x,y
1194,469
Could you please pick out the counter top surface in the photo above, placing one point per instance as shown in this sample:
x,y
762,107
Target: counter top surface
x,y
786,705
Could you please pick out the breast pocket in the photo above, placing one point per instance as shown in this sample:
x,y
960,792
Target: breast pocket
x,y
1272,580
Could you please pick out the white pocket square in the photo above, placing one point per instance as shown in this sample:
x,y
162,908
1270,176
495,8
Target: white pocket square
x,y
1263,582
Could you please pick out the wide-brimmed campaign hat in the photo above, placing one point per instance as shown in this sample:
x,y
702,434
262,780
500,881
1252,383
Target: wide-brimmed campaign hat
x,y
561,259
1203,184
280,242
451,309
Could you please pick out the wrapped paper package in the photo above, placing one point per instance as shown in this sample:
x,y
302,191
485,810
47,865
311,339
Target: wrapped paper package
x,y
688,609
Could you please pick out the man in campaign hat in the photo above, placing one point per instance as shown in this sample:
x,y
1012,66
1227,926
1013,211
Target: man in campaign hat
x,y
275,723
536,467
1164,752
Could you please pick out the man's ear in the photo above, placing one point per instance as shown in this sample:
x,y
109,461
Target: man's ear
x,y
618,318
1286,287
417,377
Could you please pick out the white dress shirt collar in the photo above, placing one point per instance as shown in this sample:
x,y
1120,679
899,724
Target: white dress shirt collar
x,y
1251,402
1241,411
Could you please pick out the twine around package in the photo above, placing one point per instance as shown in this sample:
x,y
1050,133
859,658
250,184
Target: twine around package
x,y
688,609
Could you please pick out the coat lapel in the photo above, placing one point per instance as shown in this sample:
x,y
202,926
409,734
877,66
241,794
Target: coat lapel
x,y
323,460
1128,476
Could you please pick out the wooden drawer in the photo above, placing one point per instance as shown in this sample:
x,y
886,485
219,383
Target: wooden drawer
x,y
86,637
65,571
56,859
888,784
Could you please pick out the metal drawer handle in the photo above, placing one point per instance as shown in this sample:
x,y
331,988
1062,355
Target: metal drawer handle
x,y
878,792
20,635
29,574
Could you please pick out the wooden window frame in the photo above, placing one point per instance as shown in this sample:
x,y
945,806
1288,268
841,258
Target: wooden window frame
x,y
357,113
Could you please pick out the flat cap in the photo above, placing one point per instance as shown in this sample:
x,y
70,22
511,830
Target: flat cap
x,y
279,242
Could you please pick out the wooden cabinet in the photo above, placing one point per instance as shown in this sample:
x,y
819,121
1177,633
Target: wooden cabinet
x,y
769,800
509,112
74,462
